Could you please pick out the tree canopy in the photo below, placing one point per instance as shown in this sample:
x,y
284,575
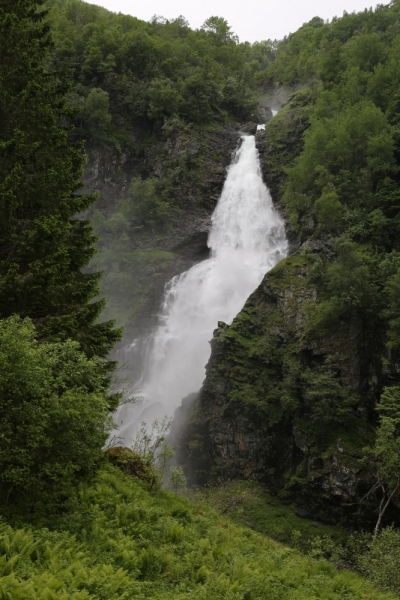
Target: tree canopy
x,y
158,69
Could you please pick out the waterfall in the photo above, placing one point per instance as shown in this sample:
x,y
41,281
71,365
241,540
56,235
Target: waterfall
x,y
246,240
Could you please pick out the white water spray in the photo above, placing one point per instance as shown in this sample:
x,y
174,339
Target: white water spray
x,y
247,239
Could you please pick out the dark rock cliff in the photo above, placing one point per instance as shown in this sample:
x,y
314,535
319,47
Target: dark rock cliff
x,y
250,419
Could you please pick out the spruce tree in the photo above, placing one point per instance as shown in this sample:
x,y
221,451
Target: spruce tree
x,y
43,245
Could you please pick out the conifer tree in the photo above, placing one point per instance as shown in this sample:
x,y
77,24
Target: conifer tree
x,y
43,246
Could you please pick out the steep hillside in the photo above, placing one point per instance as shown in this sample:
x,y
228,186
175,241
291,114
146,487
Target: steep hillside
x,y
302,389
123,541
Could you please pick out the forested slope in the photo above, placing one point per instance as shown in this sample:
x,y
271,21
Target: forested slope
x,y
158,107
153,70
302,391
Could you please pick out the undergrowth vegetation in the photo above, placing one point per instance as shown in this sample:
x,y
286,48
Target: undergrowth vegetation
x,y
122,541
377,557
247,503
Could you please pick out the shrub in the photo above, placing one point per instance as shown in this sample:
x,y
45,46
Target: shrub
x,y
327,400
143,207
96,116
329,210
54,416
381,564
132,463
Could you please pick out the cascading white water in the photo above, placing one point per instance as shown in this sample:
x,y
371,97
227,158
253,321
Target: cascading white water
x,y
247,239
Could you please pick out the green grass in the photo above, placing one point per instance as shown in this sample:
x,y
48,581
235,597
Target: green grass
x,y
247,503
124,541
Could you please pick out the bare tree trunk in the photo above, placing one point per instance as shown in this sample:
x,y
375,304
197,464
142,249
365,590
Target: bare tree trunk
x,y
8,495
383,510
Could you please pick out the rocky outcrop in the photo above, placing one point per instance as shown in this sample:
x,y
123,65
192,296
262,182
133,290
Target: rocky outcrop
x,y
251,419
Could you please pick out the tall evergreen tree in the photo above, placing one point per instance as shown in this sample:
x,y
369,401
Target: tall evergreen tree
x,y
43,246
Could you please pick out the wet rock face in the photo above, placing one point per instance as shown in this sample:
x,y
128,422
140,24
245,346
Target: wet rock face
x,y
191,165
264,114
250,128
108,172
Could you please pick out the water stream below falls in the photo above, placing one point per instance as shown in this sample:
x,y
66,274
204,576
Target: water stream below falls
x,y
246,240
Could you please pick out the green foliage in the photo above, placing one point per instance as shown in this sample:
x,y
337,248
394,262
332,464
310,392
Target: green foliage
x,y
219,29
348,279
344,287
95,114
362,41
151,445
391,311
377,558
347,144
155,70
124,541
248,503
381,562
177,479
43,246
143,206
385,454
54,416
329,210
347,172
284,141
326,399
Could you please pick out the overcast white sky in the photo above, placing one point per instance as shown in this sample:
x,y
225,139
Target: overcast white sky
x,y
251,20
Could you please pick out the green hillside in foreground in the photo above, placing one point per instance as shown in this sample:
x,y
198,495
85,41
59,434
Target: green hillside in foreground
x,y
126,541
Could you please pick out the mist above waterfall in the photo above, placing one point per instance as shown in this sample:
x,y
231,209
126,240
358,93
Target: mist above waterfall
x,y
246,240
